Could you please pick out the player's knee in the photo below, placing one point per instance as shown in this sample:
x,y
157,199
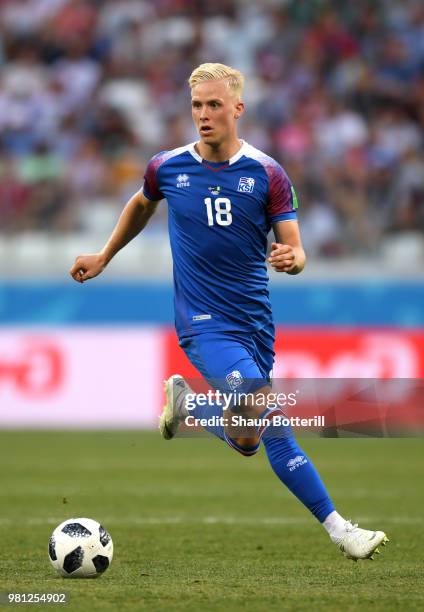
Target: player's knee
x,y
247,452
246,447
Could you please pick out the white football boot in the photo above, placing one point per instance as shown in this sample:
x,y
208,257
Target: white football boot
x,y
174,411
357,543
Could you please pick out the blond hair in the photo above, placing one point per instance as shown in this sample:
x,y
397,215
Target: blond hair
x,y
216,72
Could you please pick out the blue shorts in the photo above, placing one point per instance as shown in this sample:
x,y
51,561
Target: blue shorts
x,y
233,361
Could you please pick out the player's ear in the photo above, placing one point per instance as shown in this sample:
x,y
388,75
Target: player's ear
x,y
239,110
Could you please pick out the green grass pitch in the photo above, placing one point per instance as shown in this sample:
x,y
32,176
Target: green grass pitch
x,y
197,527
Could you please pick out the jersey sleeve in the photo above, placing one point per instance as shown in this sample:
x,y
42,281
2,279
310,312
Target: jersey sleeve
x,y
282,200
151,186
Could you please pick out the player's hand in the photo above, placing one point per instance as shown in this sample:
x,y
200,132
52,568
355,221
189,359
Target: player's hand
x,y
282,257
87,266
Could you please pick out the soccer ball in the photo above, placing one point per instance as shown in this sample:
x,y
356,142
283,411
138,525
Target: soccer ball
x,y
80,548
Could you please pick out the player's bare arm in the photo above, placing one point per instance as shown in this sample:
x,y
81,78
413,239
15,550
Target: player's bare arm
x,y
133,219
287,254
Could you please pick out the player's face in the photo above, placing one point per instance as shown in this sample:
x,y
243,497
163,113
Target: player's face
x,y
215,111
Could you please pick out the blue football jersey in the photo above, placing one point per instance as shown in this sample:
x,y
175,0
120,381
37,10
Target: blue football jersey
x,y
219,218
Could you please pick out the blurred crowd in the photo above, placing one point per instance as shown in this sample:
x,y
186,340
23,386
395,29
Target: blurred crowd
x,y
90,89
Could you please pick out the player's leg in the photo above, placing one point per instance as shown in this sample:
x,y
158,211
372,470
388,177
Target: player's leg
x,y
235,359
216,356
219,356
295,469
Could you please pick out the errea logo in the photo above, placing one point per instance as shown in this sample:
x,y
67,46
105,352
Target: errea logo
x,y
183,180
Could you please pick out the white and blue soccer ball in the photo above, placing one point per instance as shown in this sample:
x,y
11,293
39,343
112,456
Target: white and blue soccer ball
x,y
80,548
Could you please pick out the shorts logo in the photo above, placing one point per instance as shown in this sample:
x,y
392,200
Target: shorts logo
x,y
246,184
183,180
203,317
234,379
293,464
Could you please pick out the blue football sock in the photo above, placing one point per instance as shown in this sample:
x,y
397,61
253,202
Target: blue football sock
x,y
294,468
212,409
289,462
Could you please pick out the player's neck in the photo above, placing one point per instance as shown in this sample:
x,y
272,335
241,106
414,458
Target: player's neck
x,y
219,153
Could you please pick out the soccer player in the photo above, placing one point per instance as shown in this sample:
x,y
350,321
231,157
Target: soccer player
x,y
223,198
